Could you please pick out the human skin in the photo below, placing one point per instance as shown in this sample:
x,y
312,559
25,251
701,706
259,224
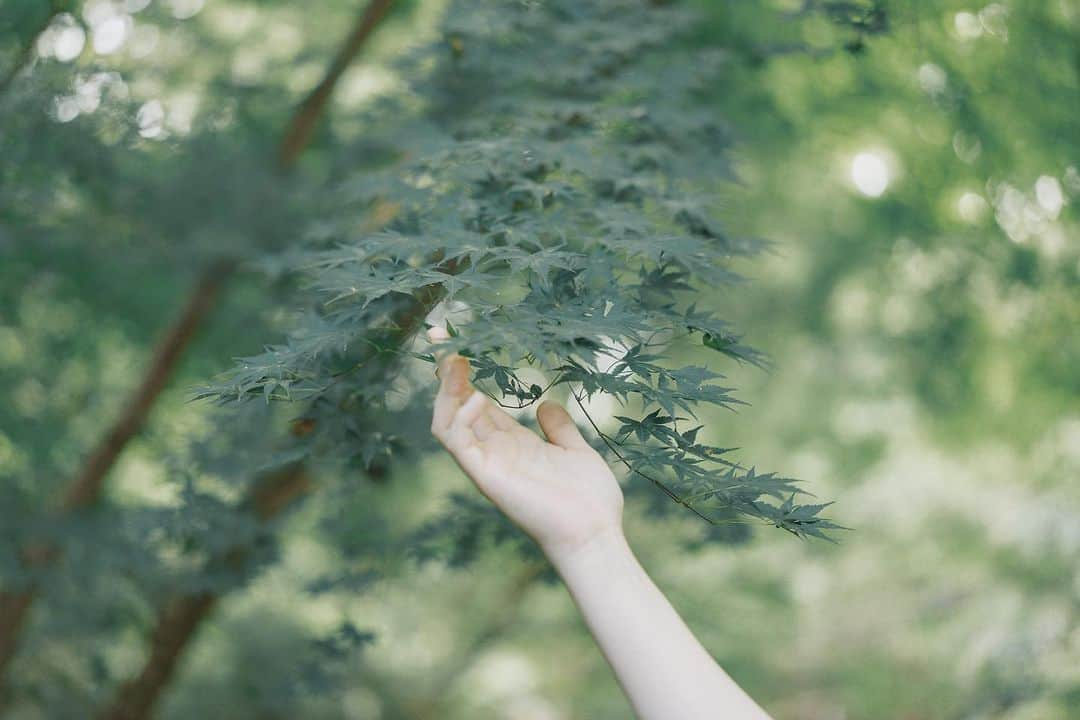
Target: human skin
x,y
562,493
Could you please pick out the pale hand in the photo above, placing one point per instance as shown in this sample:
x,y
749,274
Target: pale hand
x,y
560,491
563,494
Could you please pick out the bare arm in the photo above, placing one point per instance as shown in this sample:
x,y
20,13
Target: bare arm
x,y
562,493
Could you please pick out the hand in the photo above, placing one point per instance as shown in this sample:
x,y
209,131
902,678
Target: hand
x,y
560,491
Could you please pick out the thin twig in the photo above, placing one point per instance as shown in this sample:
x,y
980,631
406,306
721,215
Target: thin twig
x,y
655,481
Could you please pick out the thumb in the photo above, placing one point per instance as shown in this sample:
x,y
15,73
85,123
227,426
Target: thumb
x,y
559,427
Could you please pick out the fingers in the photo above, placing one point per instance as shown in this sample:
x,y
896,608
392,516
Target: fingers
x,y
478,419
559,427
454,386
443,359
454,391
458,404
470,412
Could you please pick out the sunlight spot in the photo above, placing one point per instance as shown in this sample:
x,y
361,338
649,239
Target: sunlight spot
x,y
134,6
7,452
1052,240
1072,179
1011,212
96,12
850,304
247,66
143,41
932,78
897,315
362,84
12,348
140,479
232,22
809,583
151,117
971,207
503,674
967,147
88,91
870,173
361,703
1048,193
967,25
66,108
68,43
182,110
992,18
110,34
184,9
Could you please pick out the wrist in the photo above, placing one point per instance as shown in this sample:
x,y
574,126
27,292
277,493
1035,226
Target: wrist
x,y
604,550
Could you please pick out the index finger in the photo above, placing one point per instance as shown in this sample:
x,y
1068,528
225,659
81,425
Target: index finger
x,y
454,386
443,359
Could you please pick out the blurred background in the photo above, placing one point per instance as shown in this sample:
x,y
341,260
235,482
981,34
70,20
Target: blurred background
x,y
916,165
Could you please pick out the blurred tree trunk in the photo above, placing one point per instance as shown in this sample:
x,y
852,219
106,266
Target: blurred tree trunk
x,y
307,116
86,488
179,619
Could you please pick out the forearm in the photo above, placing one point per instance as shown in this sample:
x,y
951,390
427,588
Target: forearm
x,y
661,666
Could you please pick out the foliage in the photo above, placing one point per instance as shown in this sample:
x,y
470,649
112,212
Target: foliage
x,y
559,197
924,340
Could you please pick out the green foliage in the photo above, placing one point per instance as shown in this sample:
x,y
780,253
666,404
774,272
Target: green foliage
x,y
559,198
924,339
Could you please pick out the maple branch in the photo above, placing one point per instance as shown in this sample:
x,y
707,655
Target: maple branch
x,y
176,624
86,488
310,111
14,608
179,621
180,618
674,496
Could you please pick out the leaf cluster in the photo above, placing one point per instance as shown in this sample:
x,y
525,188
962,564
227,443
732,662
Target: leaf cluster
x,y
559,201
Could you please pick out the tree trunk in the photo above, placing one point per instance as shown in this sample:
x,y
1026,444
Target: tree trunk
x,y
86,488
307,115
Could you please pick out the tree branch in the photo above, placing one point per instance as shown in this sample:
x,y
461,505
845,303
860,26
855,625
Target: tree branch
x,y
87,486
310,111
85,489
14,608
180,618
179,621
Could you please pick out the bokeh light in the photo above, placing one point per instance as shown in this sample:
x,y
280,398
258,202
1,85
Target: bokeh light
x,y
870,173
